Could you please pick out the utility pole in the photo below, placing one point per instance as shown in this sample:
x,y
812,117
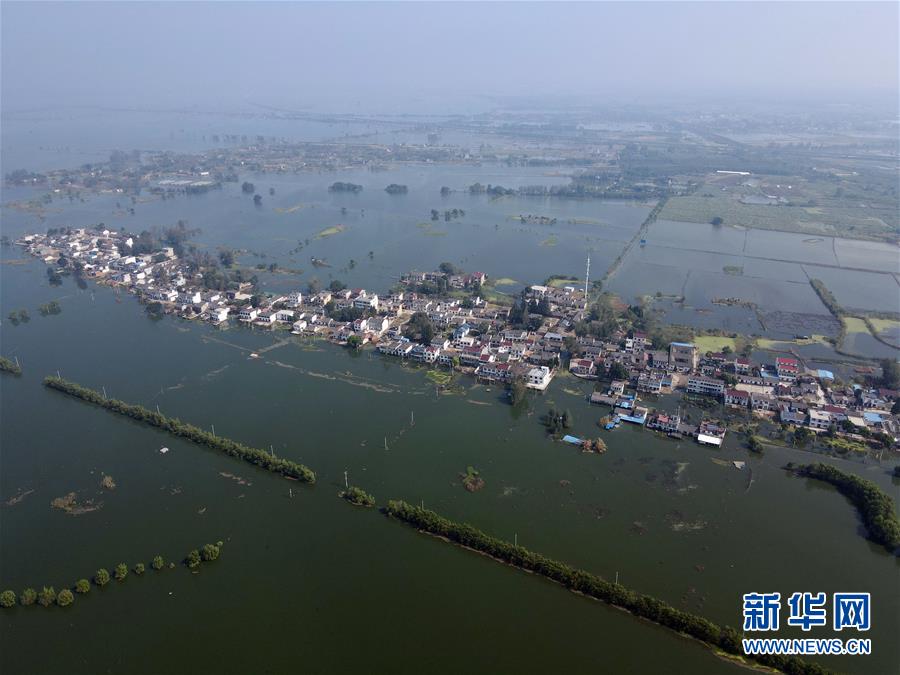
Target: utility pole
x,y
346,482
587,276
104,392
213,429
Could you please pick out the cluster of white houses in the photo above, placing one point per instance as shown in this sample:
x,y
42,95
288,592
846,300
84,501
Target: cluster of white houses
x,y
476,337
784,391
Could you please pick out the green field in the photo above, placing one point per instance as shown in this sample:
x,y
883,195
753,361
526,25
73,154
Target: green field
x,y
784,345
856,223
562,283
854,324
713,343
882,325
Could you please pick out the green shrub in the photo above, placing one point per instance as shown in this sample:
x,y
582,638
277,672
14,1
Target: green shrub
x,y
209,552
47,596
193,559
65,598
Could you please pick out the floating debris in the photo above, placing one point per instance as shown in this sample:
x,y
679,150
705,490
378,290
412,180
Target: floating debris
x,y
19,496
237,479
107,482
163,451
679,522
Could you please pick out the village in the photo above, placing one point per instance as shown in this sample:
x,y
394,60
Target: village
x,y
442,319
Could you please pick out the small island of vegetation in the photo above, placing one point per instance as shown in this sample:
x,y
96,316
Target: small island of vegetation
x,y
8,366
357,496
345,187
395,189
472,479
50,308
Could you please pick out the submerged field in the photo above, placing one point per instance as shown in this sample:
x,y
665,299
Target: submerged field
x,y
763,275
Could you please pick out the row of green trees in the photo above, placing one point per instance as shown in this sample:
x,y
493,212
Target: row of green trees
x,y
8,366
358,496
725,638
48,596
256,456
875,507
827,297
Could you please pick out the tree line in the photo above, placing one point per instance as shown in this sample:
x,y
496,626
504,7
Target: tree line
x,y
48,596
875,507
725,638
256,456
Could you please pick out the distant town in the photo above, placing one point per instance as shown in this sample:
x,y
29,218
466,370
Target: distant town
x,y
442,318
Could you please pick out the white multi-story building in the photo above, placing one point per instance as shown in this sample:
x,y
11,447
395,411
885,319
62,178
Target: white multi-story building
x,y
538,378
697,384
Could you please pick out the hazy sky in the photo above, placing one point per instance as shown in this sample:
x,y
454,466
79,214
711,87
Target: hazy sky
x,y
346,55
